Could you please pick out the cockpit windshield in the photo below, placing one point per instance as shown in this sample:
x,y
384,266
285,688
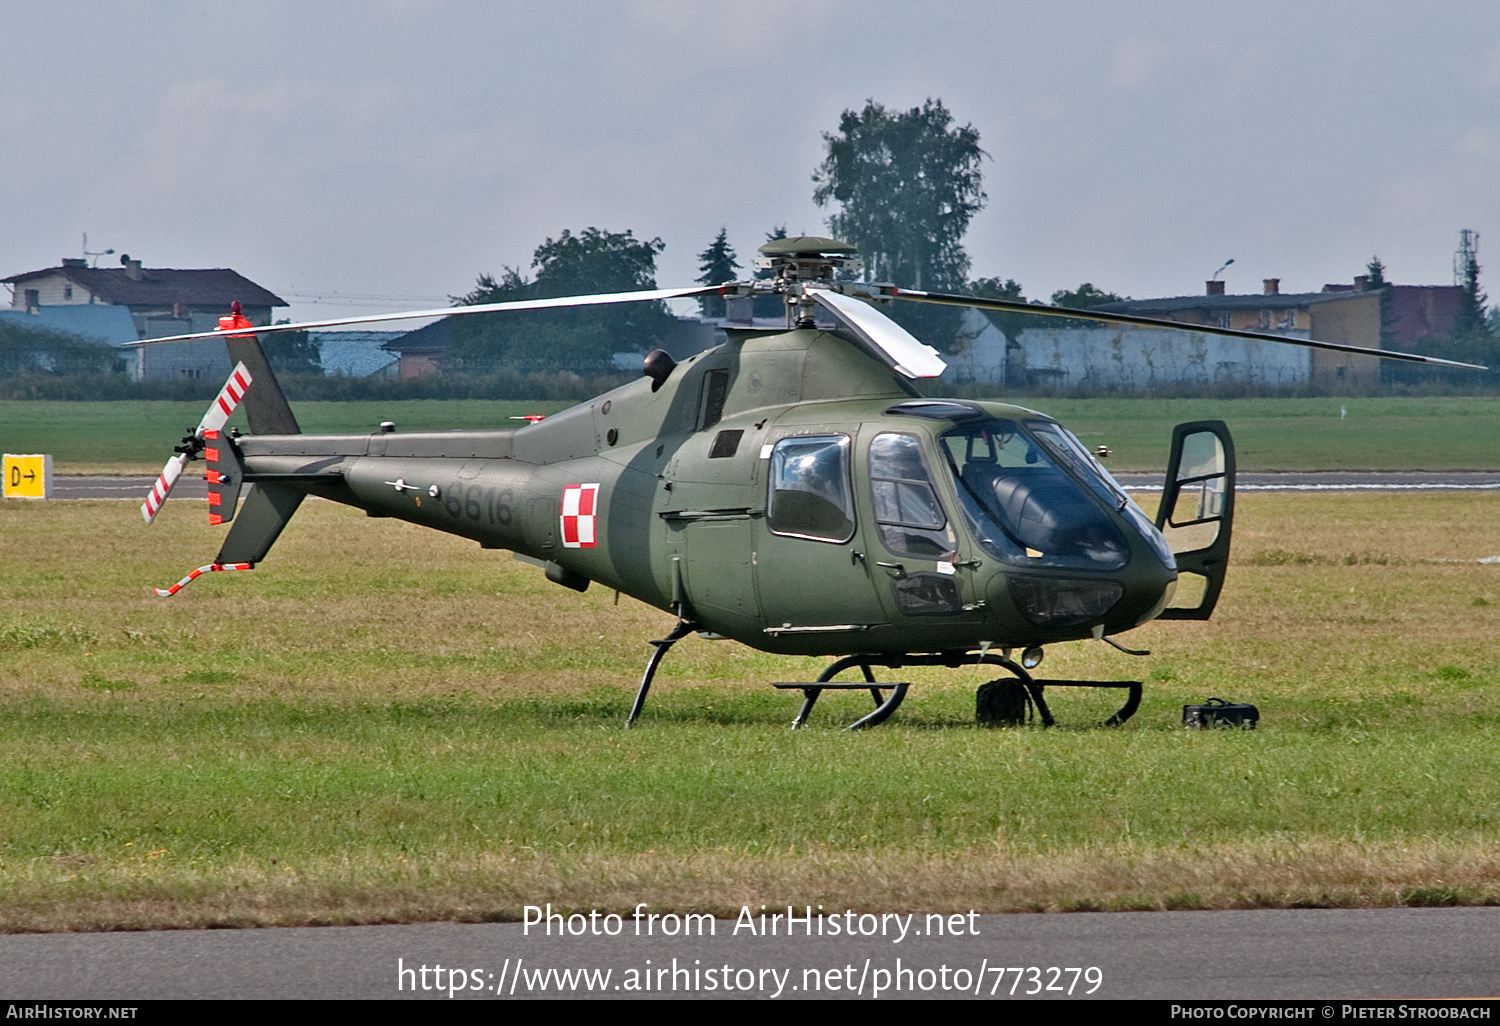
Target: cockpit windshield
x,y
1025,492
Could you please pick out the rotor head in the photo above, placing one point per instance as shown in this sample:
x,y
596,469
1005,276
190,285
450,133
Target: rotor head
x,y
807,258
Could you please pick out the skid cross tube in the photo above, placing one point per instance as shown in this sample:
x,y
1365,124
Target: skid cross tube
x,y
682,630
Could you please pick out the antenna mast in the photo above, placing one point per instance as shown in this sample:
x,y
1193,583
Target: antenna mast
x,y
1468,253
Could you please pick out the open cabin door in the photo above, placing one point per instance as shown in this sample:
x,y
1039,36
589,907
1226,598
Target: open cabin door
x,y
1196,514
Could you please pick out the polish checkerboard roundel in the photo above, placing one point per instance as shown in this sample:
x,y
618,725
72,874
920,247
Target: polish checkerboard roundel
x,y
580,503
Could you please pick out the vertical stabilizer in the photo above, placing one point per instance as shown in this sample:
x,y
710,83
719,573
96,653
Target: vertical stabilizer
x,y
265,404
267,509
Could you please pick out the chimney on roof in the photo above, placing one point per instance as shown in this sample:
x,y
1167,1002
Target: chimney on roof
x,y
1215,288
1271,285
1361,282
74,262
132,268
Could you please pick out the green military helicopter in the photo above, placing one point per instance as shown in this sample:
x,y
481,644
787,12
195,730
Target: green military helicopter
x,y
789,489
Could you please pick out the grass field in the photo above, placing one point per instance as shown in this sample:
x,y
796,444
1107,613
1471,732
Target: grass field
x,y
1270,434
387,724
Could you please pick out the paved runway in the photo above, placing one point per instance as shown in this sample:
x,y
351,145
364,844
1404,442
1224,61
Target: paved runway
x,y
102,486
1310,954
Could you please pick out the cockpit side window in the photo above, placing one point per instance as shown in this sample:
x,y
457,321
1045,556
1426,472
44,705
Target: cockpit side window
x,y
1023,506
810,494
907,511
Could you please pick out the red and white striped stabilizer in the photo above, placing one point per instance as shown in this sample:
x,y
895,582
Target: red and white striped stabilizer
x,y
218,414
190,578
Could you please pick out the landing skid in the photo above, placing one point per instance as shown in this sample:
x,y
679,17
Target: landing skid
x,y
886,705
682,630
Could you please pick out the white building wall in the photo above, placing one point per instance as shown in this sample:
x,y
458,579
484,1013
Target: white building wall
x,y
1109,357
982,352
52,290
1122,357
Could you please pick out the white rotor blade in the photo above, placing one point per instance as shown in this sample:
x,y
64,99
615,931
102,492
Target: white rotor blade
x,y
164,482
907,355
218,413
601,299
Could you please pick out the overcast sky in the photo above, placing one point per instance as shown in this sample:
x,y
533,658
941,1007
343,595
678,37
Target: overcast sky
x,y
381,155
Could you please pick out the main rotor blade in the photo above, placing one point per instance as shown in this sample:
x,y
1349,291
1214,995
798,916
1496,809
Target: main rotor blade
x,y
907,355
1007,306
600,299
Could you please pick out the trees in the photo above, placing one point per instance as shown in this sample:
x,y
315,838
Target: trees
x,y
580,339
1473,341
293,352
907,184
1469,319
718,264
28,349
1009,290
1084,297
1081,298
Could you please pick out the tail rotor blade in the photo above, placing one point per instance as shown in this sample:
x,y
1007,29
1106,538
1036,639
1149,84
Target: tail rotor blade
x,y
226,401
163,487
218,414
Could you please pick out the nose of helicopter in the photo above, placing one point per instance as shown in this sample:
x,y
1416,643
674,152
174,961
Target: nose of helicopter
x,y
1149,587
1067,604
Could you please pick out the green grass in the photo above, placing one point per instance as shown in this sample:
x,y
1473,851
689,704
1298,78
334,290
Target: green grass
x,y
387,724
1270,434
1392,434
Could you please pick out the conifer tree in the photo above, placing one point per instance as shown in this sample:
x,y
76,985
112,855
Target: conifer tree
x,y
718,264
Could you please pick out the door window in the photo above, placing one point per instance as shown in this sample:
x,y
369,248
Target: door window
x,y
907,511
810,492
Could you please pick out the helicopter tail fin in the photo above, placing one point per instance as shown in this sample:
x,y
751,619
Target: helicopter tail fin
x,y
265,404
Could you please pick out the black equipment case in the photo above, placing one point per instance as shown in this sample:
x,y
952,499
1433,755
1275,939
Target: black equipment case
x,y
1218,713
